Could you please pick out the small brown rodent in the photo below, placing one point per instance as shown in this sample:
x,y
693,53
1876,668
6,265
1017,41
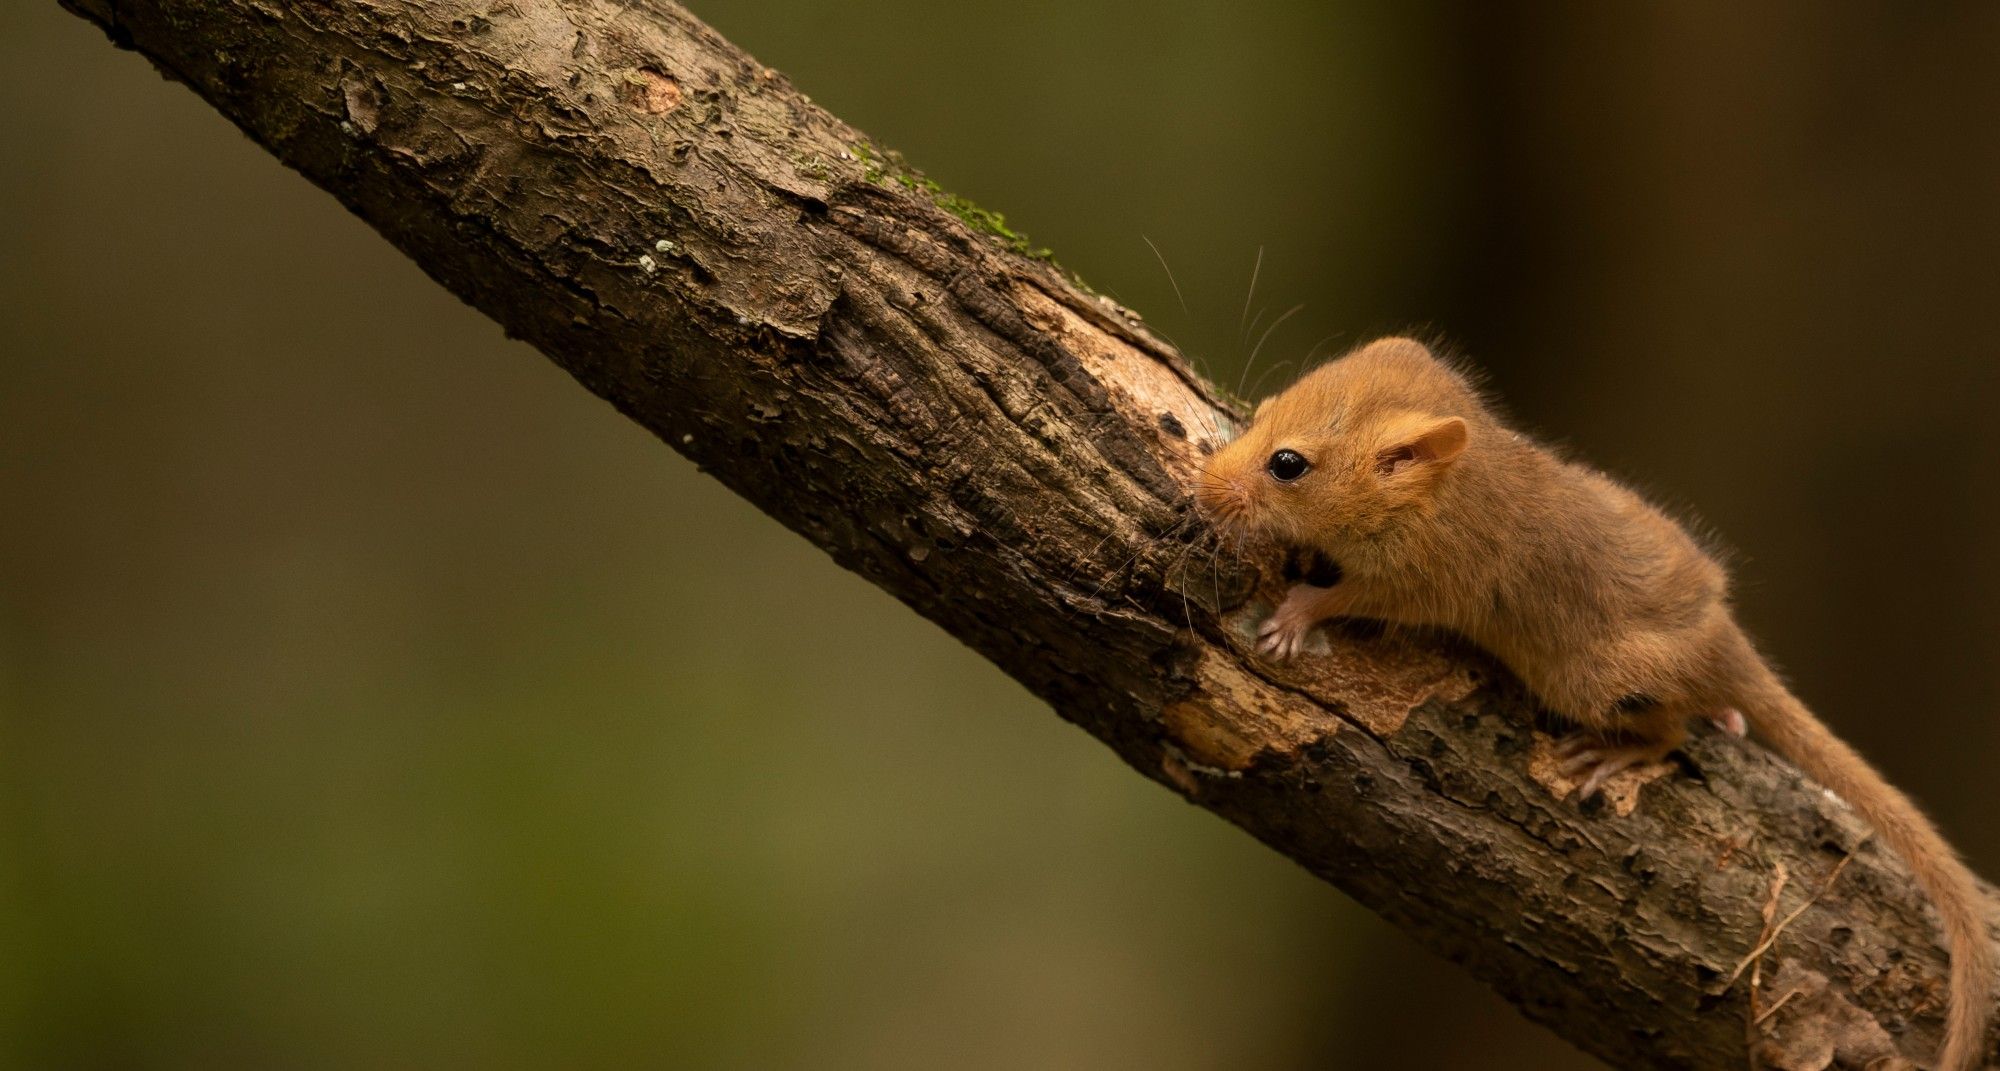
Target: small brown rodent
x,y
1388,462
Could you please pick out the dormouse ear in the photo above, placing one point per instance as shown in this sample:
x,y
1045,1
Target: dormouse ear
x,y
1396,346
1437,442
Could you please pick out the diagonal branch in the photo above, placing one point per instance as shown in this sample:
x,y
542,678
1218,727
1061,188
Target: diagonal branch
x,y
889,371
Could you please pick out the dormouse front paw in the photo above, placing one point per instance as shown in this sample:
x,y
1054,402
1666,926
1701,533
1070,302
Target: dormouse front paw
x,y
1283,635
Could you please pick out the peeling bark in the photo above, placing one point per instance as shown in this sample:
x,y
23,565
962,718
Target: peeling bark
x,y
880,367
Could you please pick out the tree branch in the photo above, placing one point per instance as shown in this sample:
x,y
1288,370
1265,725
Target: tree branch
x,y
888,371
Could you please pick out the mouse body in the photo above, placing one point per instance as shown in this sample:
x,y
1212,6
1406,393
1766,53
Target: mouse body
x,y
1389,462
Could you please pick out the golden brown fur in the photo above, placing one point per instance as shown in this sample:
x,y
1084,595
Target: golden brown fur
x,y
1440,515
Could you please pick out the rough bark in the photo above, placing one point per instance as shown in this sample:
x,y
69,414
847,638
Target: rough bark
x,y
884,369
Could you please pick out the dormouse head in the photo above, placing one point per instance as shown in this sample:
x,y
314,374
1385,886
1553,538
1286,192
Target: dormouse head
x,y
1353,447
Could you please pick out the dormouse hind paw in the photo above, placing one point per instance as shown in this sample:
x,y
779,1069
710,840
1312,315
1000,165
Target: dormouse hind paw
x,y
1596,761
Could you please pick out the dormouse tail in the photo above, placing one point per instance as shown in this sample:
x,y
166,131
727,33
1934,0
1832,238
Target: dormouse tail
x,y
1792,730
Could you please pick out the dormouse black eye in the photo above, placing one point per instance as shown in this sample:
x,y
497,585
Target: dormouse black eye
x,y
1286,466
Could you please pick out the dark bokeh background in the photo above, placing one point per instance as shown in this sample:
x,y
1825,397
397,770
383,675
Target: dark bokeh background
x,y
372,696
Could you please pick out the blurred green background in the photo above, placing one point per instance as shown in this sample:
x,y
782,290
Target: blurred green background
x,y
370,695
